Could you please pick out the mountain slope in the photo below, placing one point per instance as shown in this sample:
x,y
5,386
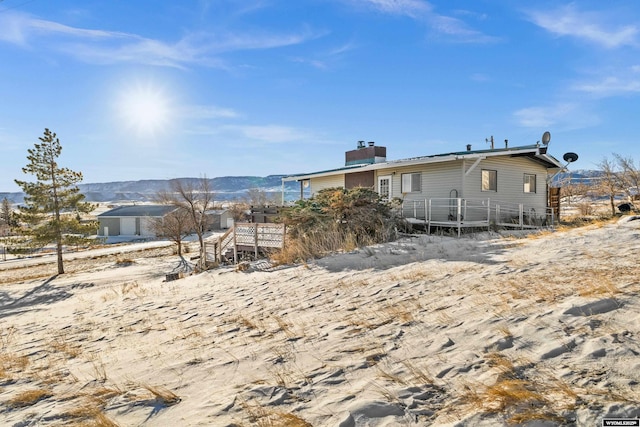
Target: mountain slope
x,y
225,188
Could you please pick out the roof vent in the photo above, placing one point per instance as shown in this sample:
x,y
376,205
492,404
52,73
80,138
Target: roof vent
x,y
360,144
371,143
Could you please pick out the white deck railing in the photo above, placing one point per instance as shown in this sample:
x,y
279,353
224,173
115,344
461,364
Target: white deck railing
x,y
478,213
244,236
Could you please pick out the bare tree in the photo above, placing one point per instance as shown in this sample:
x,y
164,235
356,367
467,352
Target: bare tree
x,y
609,184
197,198
238,211
629,174
175,226
259,197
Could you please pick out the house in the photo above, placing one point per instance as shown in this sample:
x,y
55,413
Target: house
x,y
129,221
470,188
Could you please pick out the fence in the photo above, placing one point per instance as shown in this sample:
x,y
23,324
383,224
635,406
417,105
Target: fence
x,y
474,213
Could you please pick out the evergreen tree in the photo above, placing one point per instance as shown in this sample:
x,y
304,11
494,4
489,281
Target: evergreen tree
x,y
52,204
6,214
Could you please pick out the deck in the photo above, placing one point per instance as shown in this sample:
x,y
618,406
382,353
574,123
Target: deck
x,y
460,213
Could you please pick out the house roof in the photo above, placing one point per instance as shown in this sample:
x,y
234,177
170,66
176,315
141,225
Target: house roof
x,y
534,152
216,211
138,211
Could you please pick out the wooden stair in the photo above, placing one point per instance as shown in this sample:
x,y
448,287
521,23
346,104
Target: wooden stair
x,y
247,238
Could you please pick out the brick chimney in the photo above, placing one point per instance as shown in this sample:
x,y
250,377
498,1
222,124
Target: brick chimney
x,y
365,155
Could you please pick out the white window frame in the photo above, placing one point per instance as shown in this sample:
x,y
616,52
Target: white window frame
x,y
411,182
486,181
528,179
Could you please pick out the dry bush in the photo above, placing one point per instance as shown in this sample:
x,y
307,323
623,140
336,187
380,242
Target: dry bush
x,y
318,243
260,416
247,323
133,288
419,374
89,414
163,394
12,363
519,395
333,220
284,326
401,312
99,370
586,208
367,320
598,284
124,262
60,344
29,397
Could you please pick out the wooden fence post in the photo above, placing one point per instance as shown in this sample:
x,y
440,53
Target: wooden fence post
x,y
255,240
235,247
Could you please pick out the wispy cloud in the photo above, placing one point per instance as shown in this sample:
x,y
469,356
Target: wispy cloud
x,y
252,134
453,28
480,77
593,27
271,133
457,30
619,82
562,115
207,112
325,60
411,8
105,47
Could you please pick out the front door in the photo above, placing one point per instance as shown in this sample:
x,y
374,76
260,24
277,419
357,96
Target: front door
x,y
384,187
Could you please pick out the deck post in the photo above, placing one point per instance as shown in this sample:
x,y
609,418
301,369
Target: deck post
x,y
521,215
428,218
459,215
235,247
255,241
488,214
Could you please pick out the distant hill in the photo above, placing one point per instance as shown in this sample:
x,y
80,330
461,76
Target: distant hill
x,y
581,176
225,188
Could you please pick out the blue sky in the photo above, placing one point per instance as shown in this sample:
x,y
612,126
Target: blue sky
x,y
153,89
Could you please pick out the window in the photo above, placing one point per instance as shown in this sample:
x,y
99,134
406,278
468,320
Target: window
x,y
489,180
529,183
411,182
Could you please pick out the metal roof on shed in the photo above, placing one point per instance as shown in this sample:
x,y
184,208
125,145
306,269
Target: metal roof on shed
x,y
138,211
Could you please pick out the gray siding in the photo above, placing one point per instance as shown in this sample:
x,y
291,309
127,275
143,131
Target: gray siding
x,y
437,180
511,173
321,183
113,224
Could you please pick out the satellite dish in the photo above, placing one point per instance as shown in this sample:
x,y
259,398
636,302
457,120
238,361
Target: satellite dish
x,y
570,157
546,137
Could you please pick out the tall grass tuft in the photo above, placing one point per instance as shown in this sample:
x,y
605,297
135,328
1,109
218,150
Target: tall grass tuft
x,y
29,397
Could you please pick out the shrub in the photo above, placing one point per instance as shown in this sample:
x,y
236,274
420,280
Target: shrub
x,y
336,219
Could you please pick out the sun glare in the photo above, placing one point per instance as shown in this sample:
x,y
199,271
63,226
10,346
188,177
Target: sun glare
x,y
144,109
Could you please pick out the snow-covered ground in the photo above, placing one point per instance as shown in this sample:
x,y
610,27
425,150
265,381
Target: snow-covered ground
x,y
483,330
